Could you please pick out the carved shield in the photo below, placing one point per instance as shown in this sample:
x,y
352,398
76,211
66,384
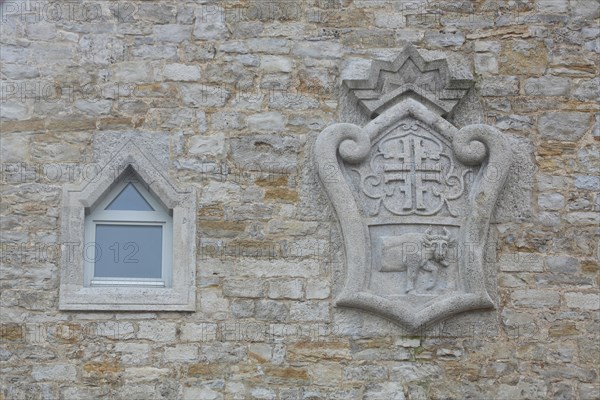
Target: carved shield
x,y
414,196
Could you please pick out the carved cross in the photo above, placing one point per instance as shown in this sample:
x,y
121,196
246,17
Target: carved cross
x,y
410,167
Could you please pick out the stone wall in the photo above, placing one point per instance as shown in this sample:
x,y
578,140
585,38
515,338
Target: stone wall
x,y
229,96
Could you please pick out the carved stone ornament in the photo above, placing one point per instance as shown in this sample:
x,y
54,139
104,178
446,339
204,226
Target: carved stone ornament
x,y
413,195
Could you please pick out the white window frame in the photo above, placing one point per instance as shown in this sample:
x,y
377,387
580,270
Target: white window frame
x,y
77,292
100,216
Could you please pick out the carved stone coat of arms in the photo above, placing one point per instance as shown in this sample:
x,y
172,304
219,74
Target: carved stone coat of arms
x,y
413,194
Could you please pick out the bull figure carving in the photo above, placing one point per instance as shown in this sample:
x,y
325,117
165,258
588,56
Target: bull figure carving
x,y
411,252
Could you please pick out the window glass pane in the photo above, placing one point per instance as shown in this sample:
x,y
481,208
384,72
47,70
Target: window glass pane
x,y
128,251
129,199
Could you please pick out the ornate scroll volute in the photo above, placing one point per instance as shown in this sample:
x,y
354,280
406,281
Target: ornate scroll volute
x,y
413,196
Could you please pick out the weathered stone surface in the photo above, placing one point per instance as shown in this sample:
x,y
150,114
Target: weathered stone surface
x,y
568,126
181,72
486,64
266,122
547,86
521,262
535,298
210,24
172,32
56,372
292,289
551,201
243,288
587,182
586,301
156,331
181,353
562,264
207,145
499,86
228,98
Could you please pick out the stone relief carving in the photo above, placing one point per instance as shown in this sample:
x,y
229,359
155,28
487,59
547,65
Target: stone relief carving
x,y
414,196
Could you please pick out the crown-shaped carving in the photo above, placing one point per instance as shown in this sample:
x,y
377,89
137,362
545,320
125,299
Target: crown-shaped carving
x,y
431,83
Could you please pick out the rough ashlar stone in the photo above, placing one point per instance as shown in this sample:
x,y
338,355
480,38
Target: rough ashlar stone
x,y
587,182
232,104
284,289
551,201
15,148
115,330
242,308
19,71
327,50
499,86
547,86
132,72
486,64
271,310
181,72
213,145
243,288
267,122
583,218
157,331
155,52
368,372
552,6
224,121
317,290
515,122
54,372
521,262
586,301
13,110
145,374
172,33
586,89
94,107
181,353
589,159
567,126
385,19
270,64
535,298
213,303
133,353
198,51
520,57
210,24
441,39
228,352
483,46
201,393
200,95
585,10
562,264
309,311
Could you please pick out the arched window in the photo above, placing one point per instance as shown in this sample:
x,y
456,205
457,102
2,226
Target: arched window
x,y
128,238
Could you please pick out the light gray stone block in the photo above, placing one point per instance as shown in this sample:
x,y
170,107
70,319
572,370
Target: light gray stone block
x,y
567,126
536,298
562,264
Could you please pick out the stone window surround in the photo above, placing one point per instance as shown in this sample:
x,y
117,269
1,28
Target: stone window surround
x,y
181,295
